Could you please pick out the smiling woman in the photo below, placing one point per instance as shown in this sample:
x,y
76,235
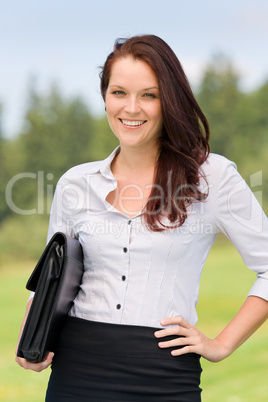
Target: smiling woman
x,y
133,103
150,80
146,218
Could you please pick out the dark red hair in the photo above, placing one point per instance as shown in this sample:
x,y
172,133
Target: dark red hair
x,y
184,141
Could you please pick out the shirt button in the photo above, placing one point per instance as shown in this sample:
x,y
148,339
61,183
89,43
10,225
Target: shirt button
x,y
118,306
125,250
123,278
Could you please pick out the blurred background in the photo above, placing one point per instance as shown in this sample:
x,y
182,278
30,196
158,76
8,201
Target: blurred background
x,y
52,118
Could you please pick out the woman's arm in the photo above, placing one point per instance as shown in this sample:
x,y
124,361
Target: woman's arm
x,y
250,317
25,363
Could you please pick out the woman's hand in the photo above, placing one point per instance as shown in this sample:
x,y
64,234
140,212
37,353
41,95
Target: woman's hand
x,y
35,366
249,318
191,340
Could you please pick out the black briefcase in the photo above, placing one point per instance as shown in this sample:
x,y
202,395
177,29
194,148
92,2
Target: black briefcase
x,y
55,281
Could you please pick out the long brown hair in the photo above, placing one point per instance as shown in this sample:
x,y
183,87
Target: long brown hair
x,y
184,141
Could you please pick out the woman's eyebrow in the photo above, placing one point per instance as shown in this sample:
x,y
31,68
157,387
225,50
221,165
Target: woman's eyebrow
x,y
144,89
117,86
149,89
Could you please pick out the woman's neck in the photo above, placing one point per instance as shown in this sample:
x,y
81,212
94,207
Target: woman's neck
x,y
135,160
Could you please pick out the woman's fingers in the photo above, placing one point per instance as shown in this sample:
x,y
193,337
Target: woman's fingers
x,y
187,336
173,343
180,327
171,331
188,339
35,366
176,321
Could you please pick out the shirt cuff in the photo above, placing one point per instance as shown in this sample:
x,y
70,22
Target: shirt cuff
x,y
260,289
31,296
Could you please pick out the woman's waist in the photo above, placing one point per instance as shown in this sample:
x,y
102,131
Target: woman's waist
x,y
132,309
111,339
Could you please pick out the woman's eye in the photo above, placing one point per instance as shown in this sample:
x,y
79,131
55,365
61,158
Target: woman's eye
x,y
152,96
118,93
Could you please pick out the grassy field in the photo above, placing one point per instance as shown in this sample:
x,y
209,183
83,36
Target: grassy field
x,y
225,283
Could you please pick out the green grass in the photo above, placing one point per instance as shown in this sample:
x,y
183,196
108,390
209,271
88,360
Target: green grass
x,y
16,384
225,283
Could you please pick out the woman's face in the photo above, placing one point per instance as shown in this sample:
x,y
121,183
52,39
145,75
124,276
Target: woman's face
x,y
133,103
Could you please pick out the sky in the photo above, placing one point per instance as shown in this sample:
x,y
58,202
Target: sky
x,y
65,42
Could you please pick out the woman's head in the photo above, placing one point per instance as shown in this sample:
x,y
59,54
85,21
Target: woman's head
x,y
185,131
180,110
133,105
148,48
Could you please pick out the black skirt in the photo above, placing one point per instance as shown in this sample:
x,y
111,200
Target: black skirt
x,y
109,362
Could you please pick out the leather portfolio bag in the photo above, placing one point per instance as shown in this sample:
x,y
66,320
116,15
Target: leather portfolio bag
x,y
55,281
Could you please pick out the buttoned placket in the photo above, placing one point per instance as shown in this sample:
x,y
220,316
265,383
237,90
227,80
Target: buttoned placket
x,y
125,241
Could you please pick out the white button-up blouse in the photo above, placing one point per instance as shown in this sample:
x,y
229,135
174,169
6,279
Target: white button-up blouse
x,y
138,277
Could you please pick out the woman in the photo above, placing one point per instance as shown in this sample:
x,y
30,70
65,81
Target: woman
x,y
146,217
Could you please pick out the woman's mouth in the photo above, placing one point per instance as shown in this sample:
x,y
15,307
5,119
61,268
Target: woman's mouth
x,y
132,123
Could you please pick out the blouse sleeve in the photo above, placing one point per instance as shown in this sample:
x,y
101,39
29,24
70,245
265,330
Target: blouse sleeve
x,y
59,215
240,217
61,211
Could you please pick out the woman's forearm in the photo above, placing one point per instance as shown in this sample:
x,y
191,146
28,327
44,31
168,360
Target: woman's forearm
x,y
250,317
24,319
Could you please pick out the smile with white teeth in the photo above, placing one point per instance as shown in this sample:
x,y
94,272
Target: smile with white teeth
x,y
132,123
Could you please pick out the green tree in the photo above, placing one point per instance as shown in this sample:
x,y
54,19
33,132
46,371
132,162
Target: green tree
x,y
104,140
219,97
2,168
253,119
57,135
12,161
238,121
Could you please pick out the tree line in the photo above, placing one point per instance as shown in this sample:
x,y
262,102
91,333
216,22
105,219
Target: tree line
x,y
58,133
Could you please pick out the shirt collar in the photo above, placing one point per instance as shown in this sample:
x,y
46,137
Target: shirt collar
x,y
105,165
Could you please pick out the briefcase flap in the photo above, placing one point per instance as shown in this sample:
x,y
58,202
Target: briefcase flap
x,y
63,241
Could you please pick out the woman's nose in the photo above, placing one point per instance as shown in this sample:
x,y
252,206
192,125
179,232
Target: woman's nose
x,y
132,105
